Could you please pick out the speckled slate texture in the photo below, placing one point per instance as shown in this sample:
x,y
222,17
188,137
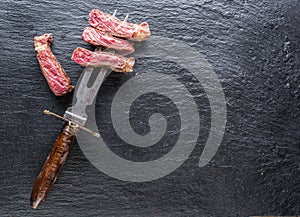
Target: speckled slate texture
x,y
253,46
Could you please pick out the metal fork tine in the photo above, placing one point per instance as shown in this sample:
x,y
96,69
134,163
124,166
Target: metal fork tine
x,y
85,79
104,71
98,48
114,14
127,15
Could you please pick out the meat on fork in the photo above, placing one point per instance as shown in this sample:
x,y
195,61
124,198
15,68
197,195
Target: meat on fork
x,y
56,77
115,62
112,25
99,38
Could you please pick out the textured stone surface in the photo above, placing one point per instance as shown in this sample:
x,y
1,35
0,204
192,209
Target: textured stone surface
x,y
254,47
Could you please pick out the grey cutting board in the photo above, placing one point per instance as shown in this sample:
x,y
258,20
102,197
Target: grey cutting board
x,y
254,48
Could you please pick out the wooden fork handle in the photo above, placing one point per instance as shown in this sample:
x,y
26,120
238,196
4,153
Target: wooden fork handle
x,y
53,165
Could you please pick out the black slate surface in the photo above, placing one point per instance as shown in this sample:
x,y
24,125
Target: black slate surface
x,y
253,46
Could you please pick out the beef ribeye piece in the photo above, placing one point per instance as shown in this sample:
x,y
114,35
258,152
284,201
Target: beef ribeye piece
x,y
56,77
119,28
115,62
99,38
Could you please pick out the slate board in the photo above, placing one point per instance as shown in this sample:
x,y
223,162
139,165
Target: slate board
x,y
254,48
